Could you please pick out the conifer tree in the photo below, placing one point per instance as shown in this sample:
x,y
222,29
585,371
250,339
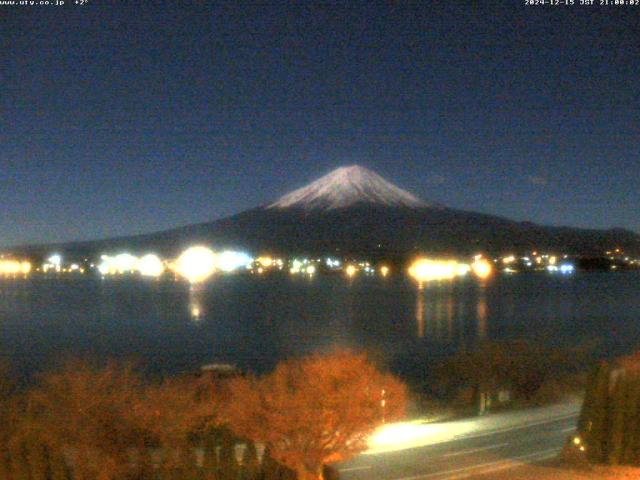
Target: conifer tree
x,y
588,403
610,418
617,415
595,419
631,455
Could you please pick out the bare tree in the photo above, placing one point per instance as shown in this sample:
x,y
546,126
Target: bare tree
x,y
315,410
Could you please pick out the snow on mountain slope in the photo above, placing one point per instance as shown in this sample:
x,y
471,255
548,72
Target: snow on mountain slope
x,y
345,187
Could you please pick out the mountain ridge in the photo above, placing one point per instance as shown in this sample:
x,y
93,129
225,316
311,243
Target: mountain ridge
x,y
354,211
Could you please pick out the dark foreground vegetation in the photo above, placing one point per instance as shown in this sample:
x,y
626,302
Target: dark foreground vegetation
x,y
609,426
108,423
501,375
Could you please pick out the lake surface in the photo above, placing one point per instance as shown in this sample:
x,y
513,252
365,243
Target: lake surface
x,y
255,321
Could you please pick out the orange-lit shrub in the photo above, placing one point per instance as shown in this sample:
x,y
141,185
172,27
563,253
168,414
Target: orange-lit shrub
x,y
315,410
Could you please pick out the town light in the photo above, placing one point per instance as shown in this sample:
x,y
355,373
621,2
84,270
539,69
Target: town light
x,y
196,264
265,261
150,265
481,268
105,265
425,270
13,267
55,259
295,266
125,262
567,268
229,260
351,271
53,262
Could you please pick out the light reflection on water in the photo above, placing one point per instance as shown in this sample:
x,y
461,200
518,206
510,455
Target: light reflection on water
x,y
256,321
440,316
196,296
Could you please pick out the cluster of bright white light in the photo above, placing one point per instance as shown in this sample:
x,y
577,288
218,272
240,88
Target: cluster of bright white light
x,y
565,268
230,260
299,265
304,265
367,268
54,262
332,263
125,262
196,264
148,265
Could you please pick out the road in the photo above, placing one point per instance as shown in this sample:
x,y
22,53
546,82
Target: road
x,y
466,449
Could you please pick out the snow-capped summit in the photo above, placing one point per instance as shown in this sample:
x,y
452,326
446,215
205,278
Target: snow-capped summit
x,y
345,187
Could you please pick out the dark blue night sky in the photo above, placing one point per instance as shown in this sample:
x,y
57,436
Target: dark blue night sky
x,y
119,119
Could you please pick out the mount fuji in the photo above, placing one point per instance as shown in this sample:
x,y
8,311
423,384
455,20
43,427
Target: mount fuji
x,y
346,187
354,211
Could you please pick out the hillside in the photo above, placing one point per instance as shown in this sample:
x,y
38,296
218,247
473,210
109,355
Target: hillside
x,y
355,211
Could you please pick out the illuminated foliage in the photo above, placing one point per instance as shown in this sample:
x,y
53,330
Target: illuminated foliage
x,y
172,413
88,423
315,410
100,427
107,423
